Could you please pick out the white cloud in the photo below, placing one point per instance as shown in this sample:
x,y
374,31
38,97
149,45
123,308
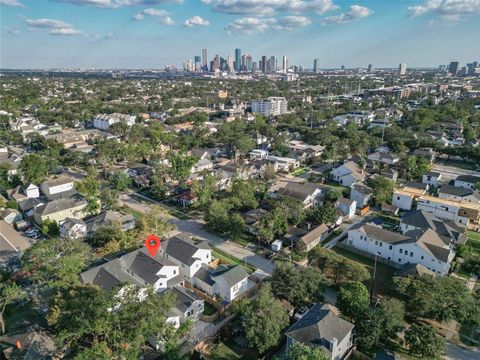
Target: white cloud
x,y
66,31
355,13
47,23
113,4
270,7
196,21
446,10
57,27
138,17
150,12
255,25
167,21
14,3
11,31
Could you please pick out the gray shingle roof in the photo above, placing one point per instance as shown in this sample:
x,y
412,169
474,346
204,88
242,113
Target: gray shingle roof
x,y
319,326
455,191
231,274
468,178
183,248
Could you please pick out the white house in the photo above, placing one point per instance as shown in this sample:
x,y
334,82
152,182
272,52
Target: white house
x,y
104,121
258,154
285,164
348,174
467,181
432,178
56,186
322,327
384,157
346,206
308,194
202,165
227,282
73,229
361,194
31,191
424,246
186,253
459,194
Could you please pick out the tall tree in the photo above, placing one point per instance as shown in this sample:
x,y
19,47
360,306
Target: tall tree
x,y
262,319
90,188
424,343
33,167
299,351
353,299
9,293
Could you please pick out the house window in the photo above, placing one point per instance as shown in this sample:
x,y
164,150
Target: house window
x,y
401,251
398,197
411,254
174,272
361,237
381,244
399,260
390,247
421,257
376,242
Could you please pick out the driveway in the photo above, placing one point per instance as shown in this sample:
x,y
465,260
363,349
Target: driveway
x,y
455,352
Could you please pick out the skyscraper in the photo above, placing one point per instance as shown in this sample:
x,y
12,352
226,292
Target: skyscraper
x,y
316,65
284,63
204,59
273,63
249,63
453,68
370,67
238,59
230,63
402,69
264,64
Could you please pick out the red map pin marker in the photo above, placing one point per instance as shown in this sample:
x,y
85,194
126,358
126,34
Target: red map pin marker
x,y
152,243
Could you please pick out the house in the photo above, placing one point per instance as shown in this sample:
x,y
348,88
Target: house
x,y
57,185
104,121
390,174
423,246
357,117
252,218
384,157
258,154
467,181
414,271
314,237
110,218
227,282
432,178
361,194
427,153
322,327
346,206
284,164
188,305
404,198
422,220
390,209
58,210
187,199
348,174
308,194
31,191
11,216
73,229
137,267
202,165
32,343
12,243
459,194
188,254
19,193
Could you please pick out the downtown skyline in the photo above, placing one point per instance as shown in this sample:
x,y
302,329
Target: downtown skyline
x,y
156,33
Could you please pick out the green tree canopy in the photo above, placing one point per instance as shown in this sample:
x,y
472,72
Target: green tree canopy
x,y
299,351
33,168
424,343
353,299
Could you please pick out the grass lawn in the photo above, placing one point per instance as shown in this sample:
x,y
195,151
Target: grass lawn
x,y
244,240
471,254
384,273
230,351
127,210
209,309
219,254
473,236
298,172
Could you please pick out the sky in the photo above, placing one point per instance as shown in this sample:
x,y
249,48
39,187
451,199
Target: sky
x,y
145,34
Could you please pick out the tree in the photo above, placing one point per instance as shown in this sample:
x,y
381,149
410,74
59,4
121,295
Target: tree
x,y
332,195
181,165
416,166
87,314
243,193
353,299
382,189
56,262
33,167
9,293
50,228
424,343
90,188
109,199
217,217
262,319
299,286
391,313
120,181
299,351
324,214
237,226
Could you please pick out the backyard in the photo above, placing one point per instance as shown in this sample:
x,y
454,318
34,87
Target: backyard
x,y
231,350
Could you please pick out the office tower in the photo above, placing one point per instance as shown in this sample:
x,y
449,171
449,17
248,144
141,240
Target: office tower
x,y
216,63
370,67
273,63
264,64
316,65
453,68
342,67
204,59
249,63
402,69
238,59
254,66
285,63
230,63
197,62
442,67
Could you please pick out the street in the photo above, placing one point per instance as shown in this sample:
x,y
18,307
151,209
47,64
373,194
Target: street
x,y
452,172
455,352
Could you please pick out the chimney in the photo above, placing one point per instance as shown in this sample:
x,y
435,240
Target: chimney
x,y
18,344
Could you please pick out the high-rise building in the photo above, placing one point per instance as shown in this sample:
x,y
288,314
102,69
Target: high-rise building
x,y
216,63
249,63
284,63
230,63
264,64
402,69
238,59
197,63
342,67
204,59
273,63
316,65
370,67
254,66
453,68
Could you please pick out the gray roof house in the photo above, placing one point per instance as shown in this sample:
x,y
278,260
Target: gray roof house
x,y
109,218
323,328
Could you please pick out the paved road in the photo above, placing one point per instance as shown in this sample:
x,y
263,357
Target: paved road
x,y
452,172
458,353
194,227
